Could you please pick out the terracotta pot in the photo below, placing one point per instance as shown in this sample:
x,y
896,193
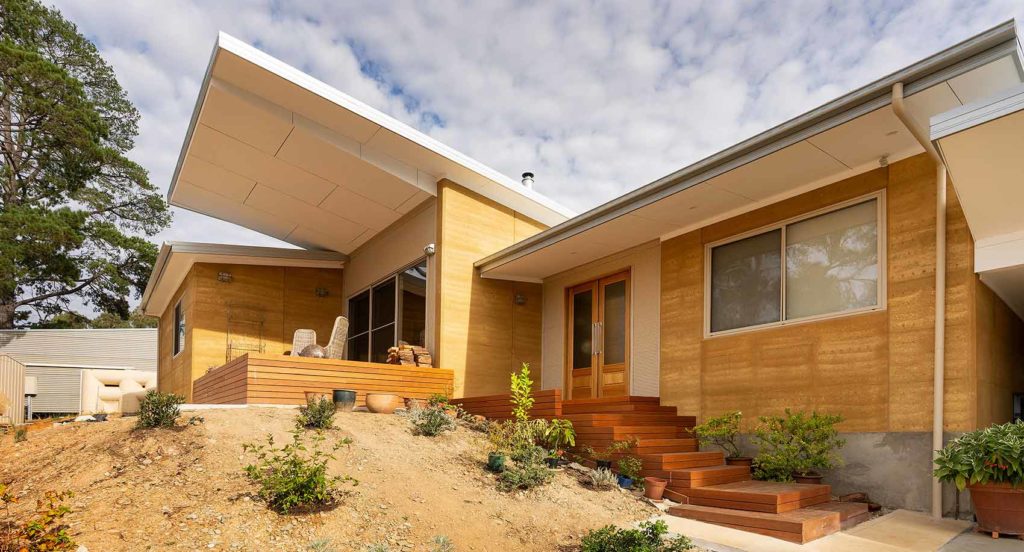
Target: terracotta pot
x,y
808,478
999,508
381,403
314,396
654,487
739,461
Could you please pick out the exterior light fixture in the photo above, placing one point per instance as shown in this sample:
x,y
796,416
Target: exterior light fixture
x,y
520,299
322,292
225,277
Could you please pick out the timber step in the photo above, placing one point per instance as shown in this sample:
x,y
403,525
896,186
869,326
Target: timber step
x,y
650,446
850,513
596,408
759,496
628,418
799,526
692,478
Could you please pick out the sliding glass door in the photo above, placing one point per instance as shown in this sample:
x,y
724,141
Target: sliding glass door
x,y
392,311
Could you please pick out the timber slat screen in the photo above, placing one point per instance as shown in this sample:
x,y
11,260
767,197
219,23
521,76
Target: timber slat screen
x,y
547,404
274,379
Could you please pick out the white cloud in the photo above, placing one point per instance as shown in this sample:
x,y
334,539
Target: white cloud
x,y
597,98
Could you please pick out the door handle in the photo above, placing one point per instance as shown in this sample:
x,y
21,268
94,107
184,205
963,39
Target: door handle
x,y
598,338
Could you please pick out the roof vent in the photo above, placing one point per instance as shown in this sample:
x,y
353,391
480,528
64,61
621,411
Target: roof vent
x,y
528,180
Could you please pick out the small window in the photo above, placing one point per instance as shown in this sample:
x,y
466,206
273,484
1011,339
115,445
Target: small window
x,y
179,329
818,265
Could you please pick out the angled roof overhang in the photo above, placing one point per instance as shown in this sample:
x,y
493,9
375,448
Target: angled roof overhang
x,y
982,144
274,150
176,259
842,138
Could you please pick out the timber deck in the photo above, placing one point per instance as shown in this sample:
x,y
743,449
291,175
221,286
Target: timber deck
x,y
706,487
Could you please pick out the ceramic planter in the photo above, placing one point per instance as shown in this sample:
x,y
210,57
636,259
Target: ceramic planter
x,y
809,478
344,400
496,462
625,482
999,508
654,487
381,403
739,461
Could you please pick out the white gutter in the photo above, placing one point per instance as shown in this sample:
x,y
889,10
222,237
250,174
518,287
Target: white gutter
x,y
939,384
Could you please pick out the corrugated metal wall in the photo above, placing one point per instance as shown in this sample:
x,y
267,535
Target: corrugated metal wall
x,y
12,386
60,389
121,348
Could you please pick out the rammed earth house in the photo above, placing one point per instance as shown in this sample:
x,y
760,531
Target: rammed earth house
x,y
865,258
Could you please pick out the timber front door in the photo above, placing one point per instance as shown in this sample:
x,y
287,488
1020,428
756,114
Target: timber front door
x,y
597,348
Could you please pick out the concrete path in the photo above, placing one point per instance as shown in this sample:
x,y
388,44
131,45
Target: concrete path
x,y
978,542
900,531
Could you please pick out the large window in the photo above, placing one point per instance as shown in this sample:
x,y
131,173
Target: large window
x,y
179,328
819,265
390,312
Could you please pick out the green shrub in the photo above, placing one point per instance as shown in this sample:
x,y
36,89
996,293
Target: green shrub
x,y
317,413
603,479
159,410
441,543
630,466
524,475
295,476
522,393
991,455
721,431
797,444
437,399
617,447
430,421
44,531
20,435
559,434
649,537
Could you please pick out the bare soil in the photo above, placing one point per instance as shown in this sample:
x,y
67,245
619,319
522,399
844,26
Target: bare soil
x,y
184,489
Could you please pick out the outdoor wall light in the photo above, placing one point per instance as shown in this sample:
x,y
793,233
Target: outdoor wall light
x,y
429,250
322,292
225,277
520,299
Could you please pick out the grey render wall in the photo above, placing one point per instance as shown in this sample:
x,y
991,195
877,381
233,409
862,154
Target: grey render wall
x,y
57,357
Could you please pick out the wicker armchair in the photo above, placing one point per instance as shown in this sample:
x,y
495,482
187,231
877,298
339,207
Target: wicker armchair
x,y
339,336
301,340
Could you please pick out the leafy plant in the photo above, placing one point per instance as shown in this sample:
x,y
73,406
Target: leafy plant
x,y
797,443
44,531
441,543
437,399
158,409
602,478
630,466
559,434
20,435
605,454
648,537
522,393
377,547
991,455
295,476
317,413
721,431
525,474
430,421
321,545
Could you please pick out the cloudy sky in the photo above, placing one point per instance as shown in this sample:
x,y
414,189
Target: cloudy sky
x,y
597,98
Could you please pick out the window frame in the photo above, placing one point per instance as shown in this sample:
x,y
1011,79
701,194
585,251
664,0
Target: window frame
x,y
882,237
396,323
178,320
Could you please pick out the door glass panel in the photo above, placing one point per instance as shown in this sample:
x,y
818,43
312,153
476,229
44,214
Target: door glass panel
x,y
382,339
359,348
383,304
412,302
359,313
582,326
615,323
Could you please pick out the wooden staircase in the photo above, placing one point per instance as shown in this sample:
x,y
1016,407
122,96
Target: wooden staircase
x,y
707,489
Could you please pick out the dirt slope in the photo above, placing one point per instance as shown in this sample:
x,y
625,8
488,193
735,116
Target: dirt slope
x,y
183,489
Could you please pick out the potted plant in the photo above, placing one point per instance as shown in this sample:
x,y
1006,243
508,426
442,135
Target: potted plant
x,y
557,435
988,463
602,458
499,436
629,471
721,431
796,446
344,399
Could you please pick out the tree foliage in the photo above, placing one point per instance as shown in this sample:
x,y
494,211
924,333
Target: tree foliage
x,y
74,210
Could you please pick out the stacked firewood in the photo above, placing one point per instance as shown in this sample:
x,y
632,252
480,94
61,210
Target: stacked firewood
x,y
410,355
